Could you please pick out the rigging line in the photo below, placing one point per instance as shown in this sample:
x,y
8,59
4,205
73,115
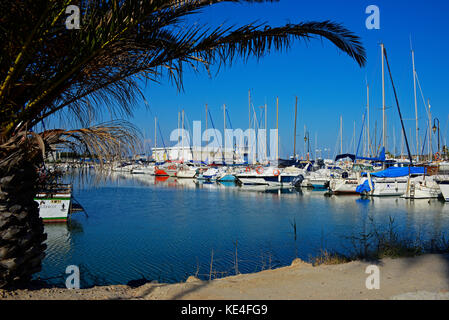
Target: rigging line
x,y
422,95
234,151
399,110
255,118
360,138
190,134
380,141
229,119
163,143
425,139
215,131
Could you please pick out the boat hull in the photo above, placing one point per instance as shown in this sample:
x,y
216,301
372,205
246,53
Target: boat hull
x,y
342,186
186,174
54,209
389,187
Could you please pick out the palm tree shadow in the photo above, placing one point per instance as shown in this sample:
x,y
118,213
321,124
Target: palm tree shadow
x,y
419,259
193,288
135,284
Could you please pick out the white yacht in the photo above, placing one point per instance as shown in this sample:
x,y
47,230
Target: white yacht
x,y
423,187
389,182
260,176
143,170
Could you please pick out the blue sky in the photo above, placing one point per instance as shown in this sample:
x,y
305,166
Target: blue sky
x,y
328,83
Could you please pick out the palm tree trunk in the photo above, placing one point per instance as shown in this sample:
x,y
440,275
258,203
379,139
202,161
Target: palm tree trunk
x,y
21,228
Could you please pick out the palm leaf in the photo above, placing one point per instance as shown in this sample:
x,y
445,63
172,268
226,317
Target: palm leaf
x,y
104,142
46,69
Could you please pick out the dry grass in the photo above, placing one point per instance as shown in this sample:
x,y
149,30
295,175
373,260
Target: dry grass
x,y
329,258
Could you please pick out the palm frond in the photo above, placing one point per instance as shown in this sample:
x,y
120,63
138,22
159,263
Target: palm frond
x,y
45,69
105,142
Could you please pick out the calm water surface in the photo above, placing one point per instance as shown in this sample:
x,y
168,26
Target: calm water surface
x,y
139,227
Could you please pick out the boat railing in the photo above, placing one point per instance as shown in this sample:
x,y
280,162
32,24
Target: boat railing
x,y
56,188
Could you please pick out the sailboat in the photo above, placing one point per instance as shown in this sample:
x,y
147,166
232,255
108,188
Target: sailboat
x,y
393,181
424,187
389,182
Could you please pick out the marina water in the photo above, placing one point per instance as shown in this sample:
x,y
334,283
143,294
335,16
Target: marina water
x,y
144,227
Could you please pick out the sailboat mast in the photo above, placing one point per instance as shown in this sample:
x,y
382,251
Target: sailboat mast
x,y
384,135
182,139
294,134
249,121
341,134
266,134
206,116
256,129
305,141
277,128
416,106
205,131
155,138
367,123
399,111
430,132
394,143
179,133
224,131
353,138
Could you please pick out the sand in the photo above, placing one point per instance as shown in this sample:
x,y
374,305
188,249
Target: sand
x,y
422,277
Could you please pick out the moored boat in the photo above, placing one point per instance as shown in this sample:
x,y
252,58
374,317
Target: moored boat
x,y
55,203
389,182
423,187
186,172
260,176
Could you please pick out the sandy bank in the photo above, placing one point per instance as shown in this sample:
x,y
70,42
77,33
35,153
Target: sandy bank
x,y
422,277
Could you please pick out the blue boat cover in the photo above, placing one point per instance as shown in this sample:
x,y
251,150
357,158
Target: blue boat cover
x,y
228,178
380,158
394,172
364,187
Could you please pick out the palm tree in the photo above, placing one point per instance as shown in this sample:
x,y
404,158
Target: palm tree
x,y
48,71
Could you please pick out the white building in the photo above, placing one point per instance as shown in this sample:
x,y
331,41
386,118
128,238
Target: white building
x,y
200,154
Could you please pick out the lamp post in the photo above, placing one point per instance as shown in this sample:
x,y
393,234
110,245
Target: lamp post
x,y
434,129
